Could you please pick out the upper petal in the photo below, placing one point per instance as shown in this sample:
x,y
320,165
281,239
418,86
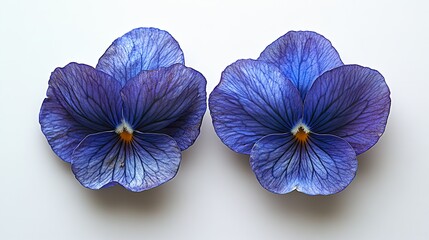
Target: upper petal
x,y
138,50
351,102
148,161
302,56
323,165
89,96
62,131
168,100
253,99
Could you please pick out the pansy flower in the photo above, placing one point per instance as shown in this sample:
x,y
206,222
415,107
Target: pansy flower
x,y
127,120
301,114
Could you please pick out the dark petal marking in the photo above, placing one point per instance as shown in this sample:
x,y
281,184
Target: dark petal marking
x,y
139,50
302,56
351,102
89,96
252,100
323,165
62,131
148,161
168,100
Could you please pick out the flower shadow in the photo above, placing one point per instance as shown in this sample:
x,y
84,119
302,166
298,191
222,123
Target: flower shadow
x,y
316,208
51,157
118,199
295,202
313,208
328,208
154,201
376,159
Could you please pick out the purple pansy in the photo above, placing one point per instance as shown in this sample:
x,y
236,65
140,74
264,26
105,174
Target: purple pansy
x,y
127,120
301,114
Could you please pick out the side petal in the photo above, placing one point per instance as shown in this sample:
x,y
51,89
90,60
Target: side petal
x,y
168,100
138,50
302,56
89,96
148,161
62,131
351,102
323,165
252,100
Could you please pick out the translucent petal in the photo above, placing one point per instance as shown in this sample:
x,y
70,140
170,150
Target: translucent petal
x,y
148,161
138,50
87,95
302,56
252,100
168,100
351,102
62,131
323,165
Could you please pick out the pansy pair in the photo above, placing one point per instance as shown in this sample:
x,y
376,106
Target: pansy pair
x,y
299,112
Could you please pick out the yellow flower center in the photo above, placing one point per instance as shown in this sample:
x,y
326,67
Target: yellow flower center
x,y
125,132
301,132
126,136
301,135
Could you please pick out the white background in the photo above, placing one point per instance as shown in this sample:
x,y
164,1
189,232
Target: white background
x,y
215,194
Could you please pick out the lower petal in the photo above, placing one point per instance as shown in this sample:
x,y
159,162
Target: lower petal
x,y
323,165
154,160
148,161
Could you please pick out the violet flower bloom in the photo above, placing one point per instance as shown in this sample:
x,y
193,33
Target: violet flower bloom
x,y
301,114
127,120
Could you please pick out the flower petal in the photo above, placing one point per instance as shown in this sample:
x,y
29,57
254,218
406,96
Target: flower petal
x,y
62,131
302,56
324,165
148,161
252,100
87,95
138,50
351,102
168,100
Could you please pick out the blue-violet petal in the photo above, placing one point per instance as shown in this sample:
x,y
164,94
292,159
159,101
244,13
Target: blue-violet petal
x,y
351,102
145,162
322,165
138,50
167,100
252,100
302,56
91,97
62,131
